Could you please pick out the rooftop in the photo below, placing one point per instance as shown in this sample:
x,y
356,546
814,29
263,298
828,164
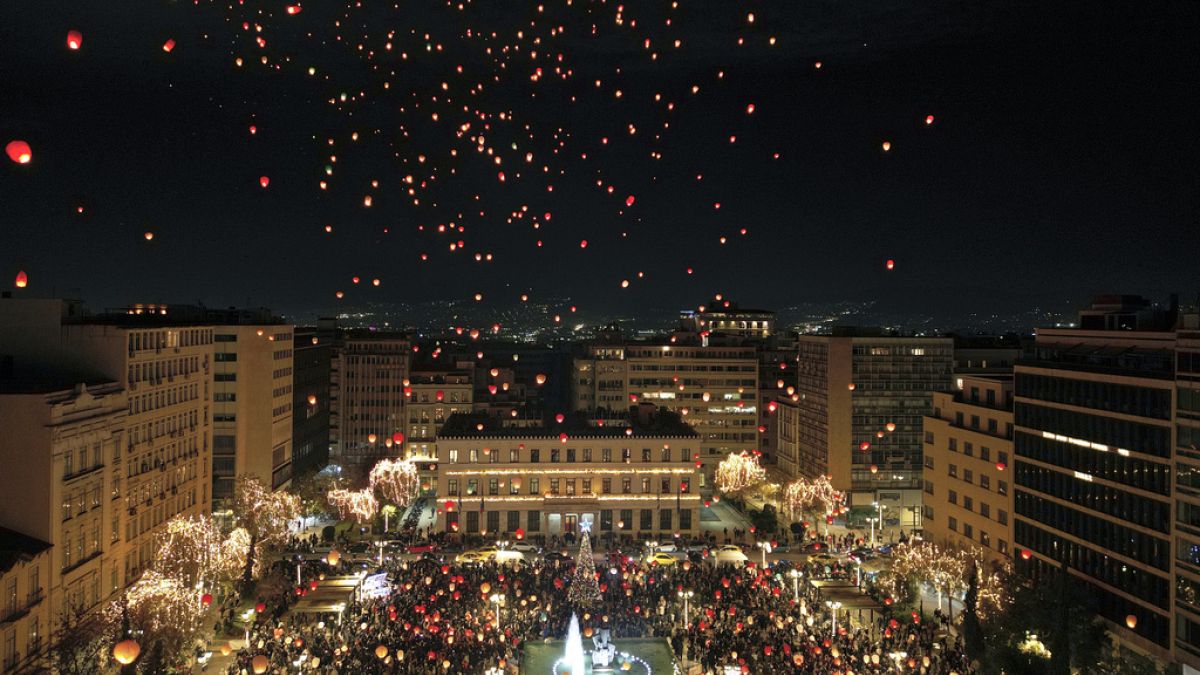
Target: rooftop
x,y
660,423
16,547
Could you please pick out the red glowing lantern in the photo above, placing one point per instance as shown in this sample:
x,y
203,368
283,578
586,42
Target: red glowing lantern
x,y
294,9
629,200
864,446
1026,554
206,599
398,437
19,152
891,264
264,181
169,45
74,40
260,607
1000,466
22,279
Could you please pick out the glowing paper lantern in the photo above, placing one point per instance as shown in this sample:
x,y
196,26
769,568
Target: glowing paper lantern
x,y
629,200
22,279
398,437
1026,554
264,181
126,651
260,607
74,40
260,664
891,264
169,45
928,120
1131,621
206,599
381,651
540,379
887,145
19,152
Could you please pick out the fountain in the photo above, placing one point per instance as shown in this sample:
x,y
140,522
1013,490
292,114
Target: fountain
x,y
574,655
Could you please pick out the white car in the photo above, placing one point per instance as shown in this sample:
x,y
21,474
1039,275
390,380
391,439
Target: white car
x,y
729,555
508,556
523,546
668,547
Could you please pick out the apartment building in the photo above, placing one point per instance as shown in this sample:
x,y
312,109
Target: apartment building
x,y
367,394
26,622
311,359
157,463
968,467
529,477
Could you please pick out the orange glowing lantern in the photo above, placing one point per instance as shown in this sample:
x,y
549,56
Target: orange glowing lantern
x,y
19,152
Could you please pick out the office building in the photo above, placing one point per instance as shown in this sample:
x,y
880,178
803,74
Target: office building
x,y
862,399
721,317
311,367
367,394
968,467
1093,455
626,475
252,402
26,622
714,389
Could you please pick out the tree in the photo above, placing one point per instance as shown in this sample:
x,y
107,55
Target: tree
x,y
972,631
584,591
737,474
192,549
79,642
358,504
811,496
163,611
397,480
265,516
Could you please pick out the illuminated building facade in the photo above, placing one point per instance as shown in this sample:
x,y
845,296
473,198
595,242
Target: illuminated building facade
x,y
499,475
369,373
25,617
714,389
968,467
862,400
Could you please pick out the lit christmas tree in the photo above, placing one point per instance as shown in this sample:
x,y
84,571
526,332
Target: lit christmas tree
x,y
584,591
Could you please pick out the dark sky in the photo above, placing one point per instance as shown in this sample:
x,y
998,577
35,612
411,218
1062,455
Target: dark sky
x,y
1063,157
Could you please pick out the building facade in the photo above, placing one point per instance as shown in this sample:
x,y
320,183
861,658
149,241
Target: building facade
x,y
311,365
509,477
26,622
714,389
968,456
1187,495
252,405
367,392
164,461
862,402
1093,455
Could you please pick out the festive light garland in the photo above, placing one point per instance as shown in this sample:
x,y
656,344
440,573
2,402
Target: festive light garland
x,y
738,473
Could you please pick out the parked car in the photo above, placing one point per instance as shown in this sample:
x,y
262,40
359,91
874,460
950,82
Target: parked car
x,y
487,552
668,547
468,557
729,555
507,556
523,546
863,553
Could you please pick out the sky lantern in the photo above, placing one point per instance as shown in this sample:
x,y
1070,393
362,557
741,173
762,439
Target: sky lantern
x,y
583,243
371,438
22,279
850,386
206,599
398,437
629,200
169,45
750,109
264,181
928,120
294,9
149,236
891,264
887,145
19,152
864,446
1026,554
541,378
891,426
126,651
1131,621
74,40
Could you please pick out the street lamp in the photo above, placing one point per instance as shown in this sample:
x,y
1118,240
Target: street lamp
x,y
834,606
878,519
687,596
299,564
497,598
765,546
795,575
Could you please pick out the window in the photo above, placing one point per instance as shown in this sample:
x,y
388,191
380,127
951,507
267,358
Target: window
x,y
514,456
1002,546
1002,517
554,486
454,456
645,454
953,497
68,463
666,455
968,531
985,510
953,444
985,453
647,519
974,421
553,455
969,449
587,486
665,486
664,519
685,519
985,539
626,455
985,481
570,486
452,487
929,437
533,521
474,455
952,523
535,486
968,475
587,454
626,486
606,486
953,471
606,455
535,455
514,521
493,486
968,503
571,455
472,486
1002,458
1002,487
645,485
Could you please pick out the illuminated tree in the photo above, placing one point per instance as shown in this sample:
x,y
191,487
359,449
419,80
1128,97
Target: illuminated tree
x,y
165,611
811,496
192,549
584,591
737,474
360,505
397,480
948,571
264,515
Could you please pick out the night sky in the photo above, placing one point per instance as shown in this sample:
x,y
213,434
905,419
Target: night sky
x,y
1062,158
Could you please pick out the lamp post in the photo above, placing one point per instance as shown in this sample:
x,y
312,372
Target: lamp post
x,y
497,598
795,575
834,606
765,546
686,596
299,564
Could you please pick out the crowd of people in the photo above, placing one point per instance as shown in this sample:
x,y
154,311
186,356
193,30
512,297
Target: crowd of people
x,y
440,618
